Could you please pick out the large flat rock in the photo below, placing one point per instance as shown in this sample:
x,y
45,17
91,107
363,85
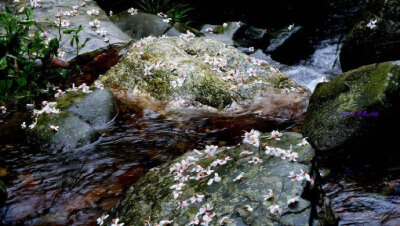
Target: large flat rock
x,y
152,198
50,8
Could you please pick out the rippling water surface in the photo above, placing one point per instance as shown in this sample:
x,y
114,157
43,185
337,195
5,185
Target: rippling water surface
x,y
76,187
366,197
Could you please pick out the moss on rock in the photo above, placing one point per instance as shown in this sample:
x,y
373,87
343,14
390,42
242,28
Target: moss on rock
x,y
72,132
372,88
364,45
151,197
81,114
205,84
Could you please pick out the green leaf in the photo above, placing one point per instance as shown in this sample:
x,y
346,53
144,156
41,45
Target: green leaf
x,y
9,83
69,31
2,86
3,63
21,82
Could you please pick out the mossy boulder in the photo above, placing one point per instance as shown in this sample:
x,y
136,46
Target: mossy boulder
x,y
80,117
206,87
3,193
97,108
73,132
151,197
96,45
335,135
364,45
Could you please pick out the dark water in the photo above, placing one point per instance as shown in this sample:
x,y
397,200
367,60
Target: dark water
x,y
77,187
365,196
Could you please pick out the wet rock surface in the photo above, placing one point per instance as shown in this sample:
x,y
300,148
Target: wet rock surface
x,y
366,45
198,75
50,8
96,108
279,37
373,89
249,36
81,114
227,197
142,25
73,132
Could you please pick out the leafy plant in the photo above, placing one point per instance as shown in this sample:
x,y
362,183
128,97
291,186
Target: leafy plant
x,y
24,52
75,39
178,12
25,59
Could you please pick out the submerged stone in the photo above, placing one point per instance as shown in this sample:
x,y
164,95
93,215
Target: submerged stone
x,y
152,198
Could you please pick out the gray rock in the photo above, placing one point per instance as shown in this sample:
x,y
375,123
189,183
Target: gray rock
x,y
142,25
81,115
151,197
372,88
249,36
279,37
97,108
73,132
205,88
96,45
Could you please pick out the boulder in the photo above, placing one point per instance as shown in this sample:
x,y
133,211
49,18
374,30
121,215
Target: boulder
x,y
335,135
193,75
294,46
73,132
79,118
364,45
97,108
97,45
142,25
151,198
249,36
279,37
221,33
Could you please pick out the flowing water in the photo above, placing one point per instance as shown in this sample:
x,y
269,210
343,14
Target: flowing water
x,y
77,187
322,63
365,197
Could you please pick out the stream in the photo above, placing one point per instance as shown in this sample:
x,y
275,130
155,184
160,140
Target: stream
x,y
76,188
